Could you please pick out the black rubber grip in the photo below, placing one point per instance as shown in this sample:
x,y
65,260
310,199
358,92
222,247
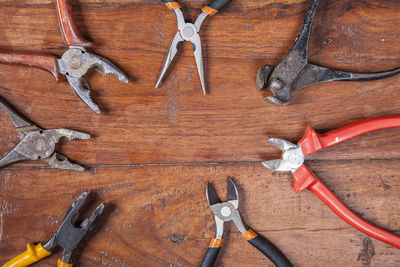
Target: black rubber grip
x,y
271,251
210,257
167,1
219,4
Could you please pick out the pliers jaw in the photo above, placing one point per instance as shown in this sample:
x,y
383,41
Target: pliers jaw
x,y
68,235
76,62
225,211
292,156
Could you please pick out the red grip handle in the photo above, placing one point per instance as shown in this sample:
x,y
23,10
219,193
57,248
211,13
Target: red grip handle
x,y
305,179
313,142
36,60
70,32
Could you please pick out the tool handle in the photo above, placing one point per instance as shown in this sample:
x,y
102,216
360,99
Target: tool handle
x,y
60,263
313,142
172,4
305,179
267,248
70,33
33,254
30,59
212,253
215,6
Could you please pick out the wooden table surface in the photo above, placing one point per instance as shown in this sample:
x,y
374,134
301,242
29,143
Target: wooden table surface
x,y
153,150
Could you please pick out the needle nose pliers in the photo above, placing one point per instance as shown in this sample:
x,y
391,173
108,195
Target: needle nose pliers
x,y
189,32
67,237
73,64
229,211
295,72
293,160
37,143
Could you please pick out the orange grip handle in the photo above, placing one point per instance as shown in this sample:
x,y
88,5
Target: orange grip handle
x,y
60,263
70,32
33,254
313,142
30,59
305,179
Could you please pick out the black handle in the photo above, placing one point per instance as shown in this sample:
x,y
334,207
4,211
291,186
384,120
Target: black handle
x,y
271,251
219,4
210,257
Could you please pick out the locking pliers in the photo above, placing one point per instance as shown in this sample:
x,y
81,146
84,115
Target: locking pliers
x,y
295,72
67,237
293,157
73,64
229,211
37,143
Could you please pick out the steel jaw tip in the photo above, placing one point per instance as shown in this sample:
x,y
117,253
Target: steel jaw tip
x,y
212,197
281,144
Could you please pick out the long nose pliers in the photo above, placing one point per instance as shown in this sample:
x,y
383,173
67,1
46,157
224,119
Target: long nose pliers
x,y
73,64
229,211
293,160
37,143
189,32
67,237
295,72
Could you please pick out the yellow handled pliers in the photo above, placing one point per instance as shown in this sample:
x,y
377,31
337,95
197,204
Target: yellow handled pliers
x,y
67,237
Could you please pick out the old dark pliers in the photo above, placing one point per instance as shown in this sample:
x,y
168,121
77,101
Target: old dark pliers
x,y
294,72
73,64
229,211
293,160
67,237
189,32
37,143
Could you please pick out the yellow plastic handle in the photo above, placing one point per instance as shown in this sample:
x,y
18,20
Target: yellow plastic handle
x,y
33,254
60,263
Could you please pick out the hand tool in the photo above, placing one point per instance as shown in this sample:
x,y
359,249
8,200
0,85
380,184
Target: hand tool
x,y
294,72
73,64
67,237
229,211
293,160
189,32
37,143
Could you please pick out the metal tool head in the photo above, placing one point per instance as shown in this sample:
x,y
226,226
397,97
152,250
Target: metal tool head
x,y
225,211
186,32
292,156
69,235
76,62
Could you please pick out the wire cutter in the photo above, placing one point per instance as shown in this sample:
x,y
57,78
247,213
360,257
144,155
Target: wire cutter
x,y
67,237
189,32
294,72
37,143
73,64
293,160
228,211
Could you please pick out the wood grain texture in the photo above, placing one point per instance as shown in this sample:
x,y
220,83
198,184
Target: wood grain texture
x,y
153,150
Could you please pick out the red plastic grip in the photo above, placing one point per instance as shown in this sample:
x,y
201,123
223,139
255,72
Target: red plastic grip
x,y
313,142
305,179
70,32
31,59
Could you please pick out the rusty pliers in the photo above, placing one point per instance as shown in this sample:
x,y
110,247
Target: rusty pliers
x,y
37,143
67,237
229,211
295,72
73,64
293,157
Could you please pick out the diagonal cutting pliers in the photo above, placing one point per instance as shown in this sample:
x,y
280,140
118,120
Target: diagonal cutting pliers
x,y
73,64
293,160
294,72
37,143
229,211
189,32
67,237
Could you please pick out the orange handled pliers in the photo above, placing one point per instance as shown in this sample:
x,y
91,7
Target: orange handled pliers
x,y
293,158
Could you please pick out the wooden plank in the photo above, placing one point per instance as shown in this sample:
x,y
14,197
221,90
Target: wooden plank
x,y
158,215
176,123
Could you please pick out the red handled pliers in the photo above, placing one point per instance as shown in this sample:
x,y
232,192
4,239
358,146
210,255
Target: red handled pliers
x,y
293,159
